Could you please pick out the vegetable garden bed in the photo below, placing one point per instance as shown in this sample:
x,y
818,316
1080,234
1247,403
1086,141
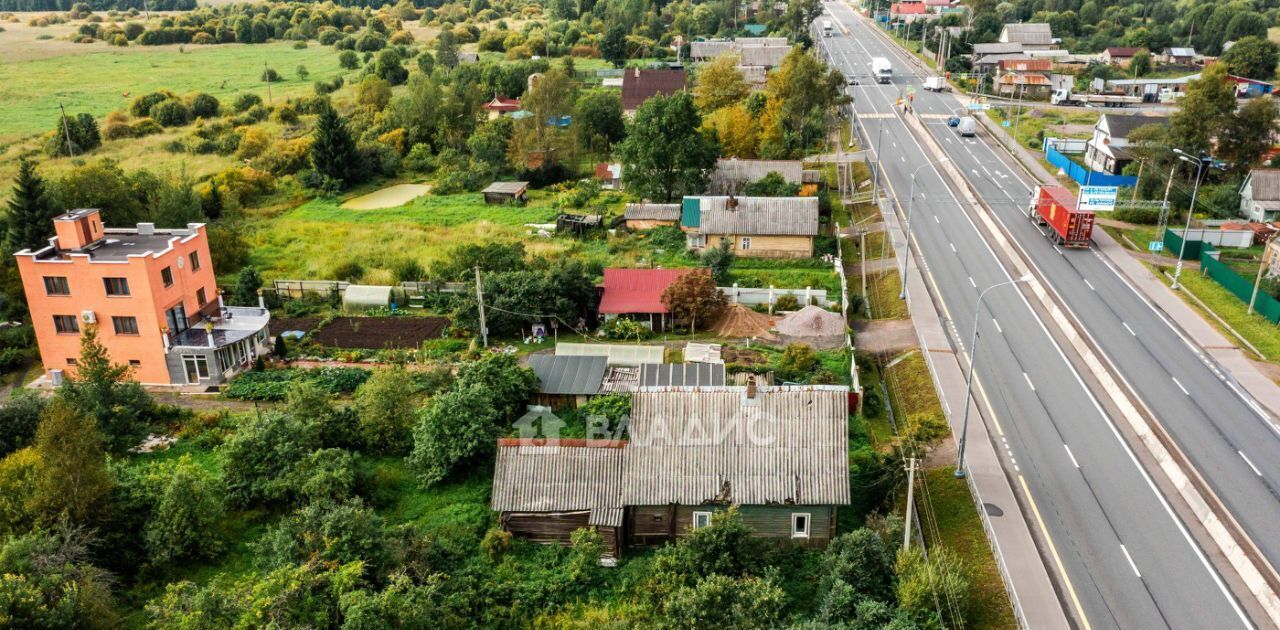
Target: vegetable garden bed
x,y
377,333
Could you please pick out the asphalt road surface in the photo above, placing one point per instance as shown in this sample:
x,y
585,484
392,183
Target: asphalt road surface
x,y
1128,559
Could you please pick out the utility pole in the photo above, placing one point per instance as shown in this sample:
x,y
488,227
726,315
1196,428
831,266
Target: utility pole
x,y
266,78
484,328
1257,282
1164,208
66,130
911,487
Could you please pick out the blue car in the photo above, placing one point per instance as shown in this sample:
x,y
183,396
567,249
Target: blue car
x,y
954,121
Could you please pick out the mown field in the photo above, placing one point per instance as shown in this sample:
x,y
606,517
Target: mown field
x,y
100,82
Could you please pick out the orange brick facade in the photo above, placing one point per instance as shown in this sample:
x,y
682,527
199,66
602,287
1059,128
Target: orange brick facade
x,y
170,282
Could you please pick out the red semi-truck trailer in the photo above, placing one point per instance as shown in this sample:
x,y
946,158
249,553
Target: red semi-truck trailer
x,y
1055,207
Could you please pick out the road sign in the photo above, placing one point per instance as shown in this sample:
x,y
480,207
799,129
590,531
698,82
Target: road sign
x,y
1005,124
1156,246
1098,198
978,107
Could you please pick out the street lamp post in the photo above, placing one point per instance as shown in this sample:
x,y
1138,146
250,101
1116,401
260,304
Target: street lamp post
x,y
973,360
911,202
1186,232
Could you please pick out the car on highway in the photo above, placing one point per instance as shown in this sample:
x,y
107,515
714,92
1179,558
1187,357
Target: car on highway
x,y
954,121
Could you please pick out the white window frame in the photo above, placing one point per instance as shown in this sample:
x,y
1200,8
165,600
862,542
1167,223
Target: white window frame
x,y
808,524
197,361
744,243
697,516
697,240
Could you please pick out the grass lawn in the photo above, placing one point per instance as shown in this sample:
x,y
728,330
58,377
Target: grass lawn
x,y
100,82
960,529
1060,122
309,240
879,245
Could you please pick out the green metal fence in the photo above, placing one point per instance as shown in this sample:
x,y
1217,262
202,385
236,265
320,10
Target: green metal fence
x,y
1264,304
1173,244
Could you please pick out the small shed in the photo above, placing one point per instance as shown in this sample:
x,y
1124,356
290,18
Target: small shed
x,y
360,297
815,326
499,193
646,216
578,224
543,490
567,381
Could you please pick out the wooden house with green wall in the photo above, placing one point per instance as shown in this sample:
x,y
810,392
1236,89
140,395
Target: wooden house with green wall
x,y
780,453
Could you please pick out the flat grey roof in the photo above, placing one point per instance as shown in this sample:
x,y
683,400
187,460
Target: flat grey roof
x,y
569,375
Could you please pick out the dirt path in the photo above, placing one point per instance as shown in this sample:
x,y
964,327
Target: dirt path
x,y
885,335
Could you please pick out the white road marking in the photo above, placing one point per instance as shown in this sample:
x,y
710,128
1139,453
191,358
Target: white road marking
x,y
997,323
1029,383
1073,457
935,219
1246,460
1089,284
1126,327
953,248
975,284
1175,382
1130,559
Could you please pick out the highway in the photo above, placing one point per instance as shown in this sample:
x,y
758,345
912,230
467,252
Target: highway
x,y
1124,559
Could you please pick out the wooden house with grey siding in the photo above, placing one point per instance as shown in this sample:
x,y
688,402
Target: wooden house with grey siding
x,y
757,227
780,453
543,490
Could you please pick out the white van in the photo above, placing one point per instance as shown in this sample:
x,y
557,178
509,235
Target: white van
x,y
968,127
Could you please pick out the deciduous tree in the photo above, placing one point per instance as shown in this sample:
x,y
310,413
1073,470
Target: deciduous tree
x,y
665,154
614,45
720,83
455,427
385,406
185,522
72,482
1252,57
1209,100
694,298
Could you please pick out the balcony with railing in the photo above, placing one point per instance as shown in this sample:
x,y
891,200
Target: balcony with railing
x,y
222,327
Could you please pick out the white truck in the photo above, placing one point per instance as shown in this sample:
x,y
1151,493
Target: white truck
x,y
1067,97
882,69
826,28
936,84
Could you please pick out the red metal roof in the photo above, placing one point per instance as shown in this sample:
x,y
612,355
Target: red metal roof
x,y
637,290
639,85
502,104
908,8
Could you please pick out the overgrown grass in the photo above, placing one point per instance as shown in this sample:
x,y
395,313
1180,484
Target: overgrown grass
x,y
911,387
960,529
1033,125
883,289
310,240
100,82
1257,329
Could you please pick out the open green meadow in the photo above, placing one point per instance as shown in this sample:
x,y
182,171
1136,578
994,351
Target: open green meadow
x,y
100,82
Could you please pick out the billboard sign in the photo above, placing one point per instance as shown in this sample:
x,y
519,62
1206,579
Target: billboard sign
x,y
1098,198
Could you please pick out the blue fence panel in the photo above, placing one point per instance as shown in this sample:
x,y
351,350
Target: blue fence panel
x,y
1085,176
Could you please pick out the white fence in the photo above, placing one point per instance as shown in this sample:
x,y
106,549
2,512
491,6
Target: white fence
x,y
1222,238
753,296
1066,145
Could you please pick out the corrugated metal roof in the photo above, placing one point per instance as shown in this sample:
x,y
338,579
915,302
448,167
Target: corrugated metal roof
x,y
997,48
652,212
1120,125
510,188
764,56
690,212
710,49
1264,184
787,445
731,174
616,354
560,476
784,216
1037,33
575,376
682,375
637,290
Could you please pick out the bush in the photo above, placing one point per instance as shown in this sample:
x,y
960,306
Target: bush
x,y
621,328
203,105
348,532
1141,216
260,459
269,75
146,127
171,113
347,271
185,522
141,106
244,101
797,362
274,385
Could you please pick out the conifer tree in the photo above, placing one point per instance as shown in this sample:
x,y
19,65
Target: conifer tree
x,y
333,152
30,212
